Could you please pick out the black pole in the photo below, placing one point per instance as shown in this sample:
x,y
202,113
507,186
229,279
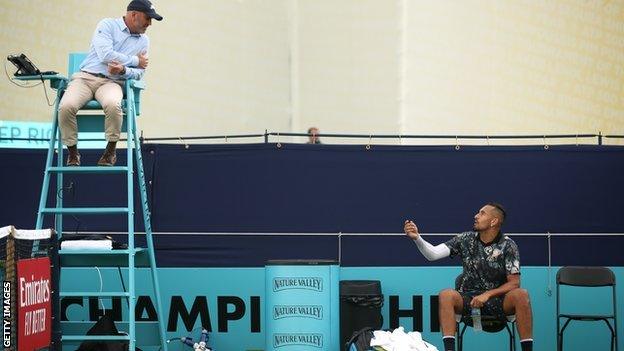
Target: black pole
x,y
599,138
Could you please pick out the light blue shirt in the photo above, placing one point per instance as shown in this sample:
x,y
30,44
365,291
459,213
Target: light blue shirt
x,y
112,41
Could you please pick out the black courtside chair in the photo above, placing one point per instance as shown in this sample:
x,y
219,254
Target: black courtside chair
x,y
489,323
589,277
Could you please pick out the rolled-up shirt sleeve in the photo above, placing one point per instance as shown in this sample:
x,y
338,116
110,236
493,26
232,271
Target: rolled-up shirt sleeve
x,y
133,73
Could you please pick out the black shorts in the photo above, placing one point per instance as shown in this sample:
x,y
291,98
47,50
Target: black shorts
x,y
492,307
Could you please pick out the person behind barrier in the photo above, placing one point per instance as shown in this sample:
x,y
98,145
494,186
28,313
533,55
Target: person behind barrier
x,y
313,136
490,279
118,52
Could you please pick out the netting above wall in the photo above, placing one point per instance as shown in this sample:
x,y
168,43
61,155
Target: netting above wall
x,y
24,135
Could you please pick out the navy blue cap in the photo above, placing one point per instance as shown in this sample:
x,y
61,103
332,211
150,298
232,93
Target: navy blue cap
x,y
146,7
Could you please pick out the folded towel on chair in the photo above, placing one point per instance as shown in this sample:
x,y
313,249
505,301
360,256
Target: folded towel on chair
x,y
87,244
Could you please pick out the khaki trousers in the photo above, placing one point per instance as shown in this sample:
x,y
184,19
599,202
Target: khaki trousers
x,y
82,88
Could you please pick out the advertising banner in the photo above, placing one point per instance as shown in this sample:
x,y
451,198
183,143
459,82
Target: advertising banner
x,y
34,303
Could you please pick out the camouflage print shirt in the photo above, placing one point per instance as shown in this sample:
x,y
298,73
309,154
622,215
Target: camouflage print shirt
x,y
485,266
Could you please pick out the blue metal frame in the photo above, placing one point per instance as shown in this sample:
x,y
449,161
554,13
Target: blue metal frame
x,y
131,107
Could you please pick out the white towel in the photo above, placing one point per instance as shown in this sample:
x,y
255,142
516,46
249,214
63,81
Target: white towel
x,y
87,245
398,340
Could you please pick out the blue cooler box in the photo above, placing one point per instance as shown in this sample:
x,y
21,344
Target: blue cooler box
x,y
302,305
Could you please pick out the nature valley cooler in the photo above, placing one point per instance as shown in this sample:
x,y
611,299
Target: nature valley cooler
x,y
302,305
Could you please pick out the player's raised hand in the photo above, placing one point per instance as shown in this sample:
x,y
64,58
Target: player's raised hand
x,y
410,229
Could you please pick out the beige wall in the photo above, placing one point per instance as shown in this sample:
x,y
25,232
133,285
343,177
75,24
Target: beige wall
x,y
356,66
219,67
216,67
36,28
348,66
516,67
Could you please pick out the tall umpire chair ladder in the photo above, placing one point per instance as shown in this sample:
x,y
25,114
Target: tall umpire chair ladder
x,y
132,257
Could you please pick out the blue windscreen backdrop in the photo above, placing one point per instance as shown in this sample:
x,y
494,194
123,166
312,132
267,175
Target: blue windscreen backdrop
x,y
262,188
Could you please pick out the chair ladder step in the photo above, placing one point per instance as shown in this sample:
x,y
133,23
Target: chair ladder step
x,y
85,210
79,258
89,169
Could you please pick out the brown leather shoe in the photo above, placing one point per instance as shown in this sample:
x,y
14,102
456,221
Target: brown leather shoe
x,y
108,159
73,159
110,155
